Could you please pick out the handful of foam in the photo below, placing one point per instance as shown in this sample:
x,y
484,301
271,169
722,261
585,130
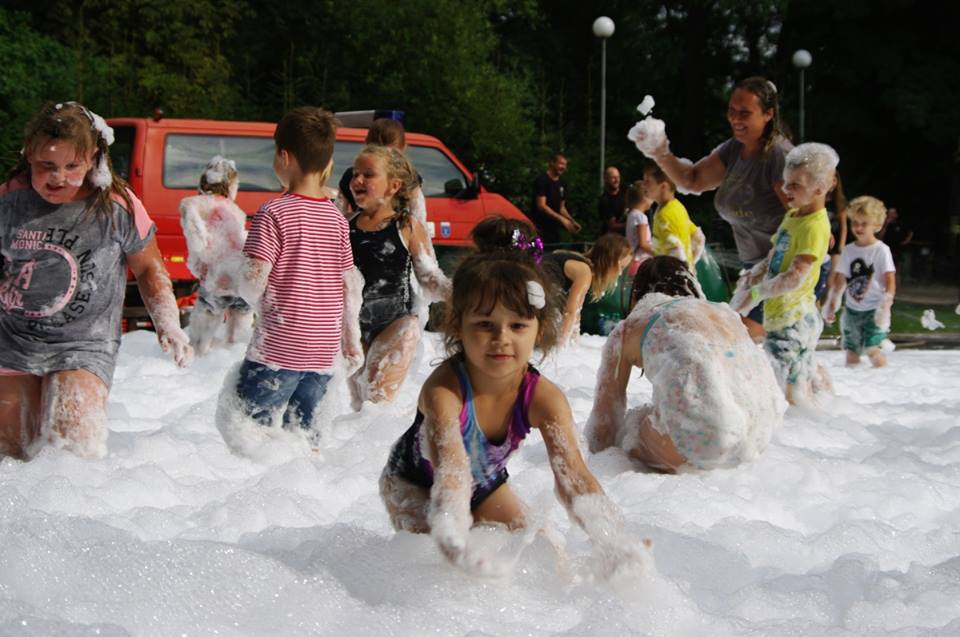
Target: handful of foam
x,y
649,134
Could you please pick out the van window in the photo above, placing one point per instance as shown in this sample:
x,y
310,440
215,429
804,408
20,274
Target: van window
x,y
185,157
435,168
121,151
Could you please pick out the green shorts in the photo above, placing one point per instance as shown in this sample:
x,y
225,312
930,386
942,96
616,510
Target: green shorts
x,y
860,331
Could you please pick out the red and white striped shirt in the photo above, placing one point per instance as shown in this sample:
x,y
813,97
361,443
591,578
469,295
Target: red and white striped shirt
x,y
308,242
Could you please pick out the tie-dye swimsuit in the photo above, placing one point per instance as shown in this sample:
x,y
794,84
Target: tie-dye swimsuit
x,y
488,460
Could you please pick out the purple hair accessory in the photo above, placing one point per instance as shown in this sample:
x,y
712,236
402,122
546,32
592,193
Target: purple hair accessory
x,y
533,246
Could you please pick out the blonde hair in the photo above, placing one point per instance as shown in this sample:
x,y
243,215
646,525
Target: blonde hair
x,y
501,276
605,257
74,123
870,208
397,166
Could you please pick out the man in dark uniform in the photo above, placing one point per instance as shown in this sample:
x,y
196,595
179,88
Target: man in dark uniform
x,y
549,211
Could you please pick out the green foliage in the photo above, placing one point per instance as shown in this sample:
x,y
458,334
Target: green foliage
x,y
36,65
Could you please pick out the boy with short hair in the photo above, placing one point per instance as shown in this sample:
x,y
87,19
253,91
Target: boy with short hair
x,y
673,232
786,278
300,270
867,271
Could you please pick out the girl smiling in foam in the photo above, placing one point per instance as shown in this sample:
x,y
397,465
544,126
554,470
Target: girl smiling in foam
x,y
66,241
448,471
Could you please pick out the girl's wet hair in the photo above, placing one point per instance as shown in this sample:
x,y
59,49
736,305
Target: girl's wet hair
x,y
766,92
666,275
397,166
486,278
219,175
496,233
605,256
74,123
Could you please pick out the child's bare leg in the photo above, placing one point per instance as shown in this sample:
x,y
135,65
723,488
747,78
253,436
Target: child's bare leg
x,y
853,359
877,357
19,413
203,326
389,359
503,507
407,504
74,412
656,450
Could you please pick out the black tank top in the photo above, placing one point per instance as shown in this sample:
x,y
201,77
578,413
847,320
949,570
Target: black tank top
x,y
385,264
555,262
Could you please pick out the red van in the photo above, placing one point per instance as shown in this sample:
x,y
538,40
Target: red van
x,y
162,159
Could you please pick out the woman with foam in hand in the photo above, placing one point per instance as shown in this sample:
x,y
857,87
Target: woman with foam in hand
x,y
448,472
69,230
389,245
746,170
715,399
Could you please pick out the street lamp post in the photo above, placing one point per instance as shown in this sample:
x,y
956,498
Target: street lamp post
x,y
801,60
603,28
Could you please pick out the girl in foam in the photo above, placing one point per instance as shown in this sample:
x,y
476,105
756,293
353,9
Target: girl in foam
x,y
389,245
69,229
715,399
448,471
214,228
595,271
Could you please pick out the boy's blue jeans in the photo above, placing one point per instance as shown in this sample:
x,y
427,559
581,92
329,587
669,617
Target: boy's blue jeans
x,y
267,391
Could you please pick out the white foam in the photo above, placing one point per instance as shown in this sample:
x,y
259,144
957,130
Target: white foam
x,y
845,524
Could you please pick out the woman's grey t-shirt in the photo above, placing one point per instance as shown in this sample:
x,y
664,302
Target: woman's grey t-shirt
x,y
62,284
746,198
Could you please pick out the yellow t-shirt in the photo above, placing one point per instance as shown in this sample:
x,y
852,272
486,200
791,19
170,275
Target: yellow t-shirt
x,y
797,235
672,219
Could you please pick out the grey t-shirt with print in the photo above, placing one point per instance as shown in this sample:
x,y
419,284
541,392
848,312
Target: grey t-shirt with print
x,y
746,198
62,284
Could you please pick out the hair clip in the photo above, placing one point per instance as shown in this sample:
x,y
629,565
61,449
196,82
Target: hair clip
x,y
536,297
534,246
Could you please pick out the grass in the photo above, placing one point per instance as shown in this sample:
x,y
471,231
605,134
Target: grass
x,y
905,319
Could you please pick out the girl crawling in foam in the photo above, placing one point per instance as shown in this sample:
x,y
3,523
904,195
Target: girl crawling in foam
x,y
715,399
448,471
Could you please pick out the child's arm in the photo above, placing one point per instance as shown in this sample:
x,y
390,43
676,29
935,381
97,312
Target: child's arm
x,y
786,281
253,280
350,337
577,489
882,315
449,517
580,276
741,293
425,266
697,243
157,294
836,285
610,397
676,247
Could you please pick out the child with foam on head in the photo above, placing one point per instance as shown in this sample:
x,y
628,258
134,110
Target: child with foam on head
x,y
673,232
299,275
865,279
214,228
391,248
69,230
785,280
448,472
715,400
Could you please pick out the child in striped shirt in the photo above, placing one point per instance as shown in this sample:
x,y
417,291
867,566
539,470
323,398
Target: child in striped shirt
x,y
299,271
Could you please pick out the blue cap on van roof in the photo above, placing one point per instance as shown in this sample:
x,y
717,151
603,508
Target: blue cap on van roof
x,y
363,119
